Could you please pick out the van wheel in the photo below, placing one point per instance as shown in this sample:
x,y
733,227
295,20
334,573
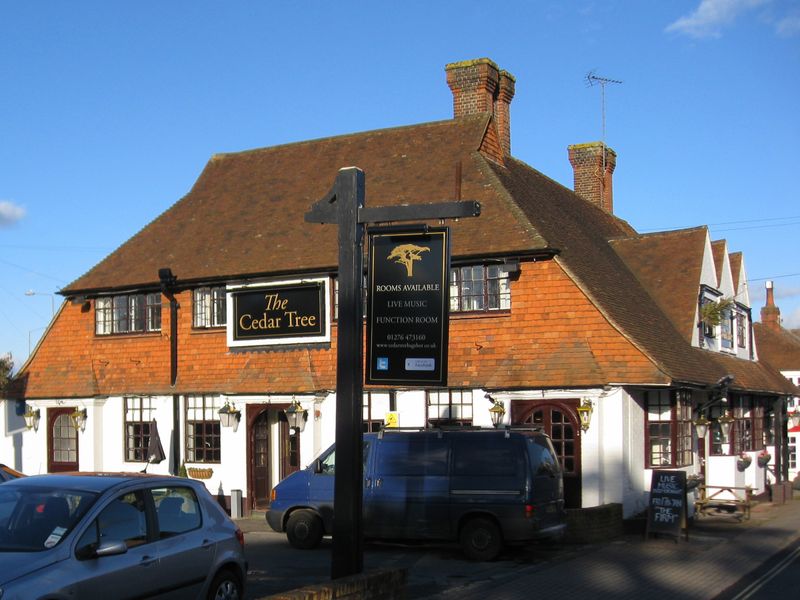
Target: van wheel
x,y
304,529
481,540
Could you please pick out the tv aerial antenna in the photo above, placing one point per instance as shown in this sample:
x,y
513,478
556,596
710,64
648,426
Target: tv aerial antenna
x,y
593,79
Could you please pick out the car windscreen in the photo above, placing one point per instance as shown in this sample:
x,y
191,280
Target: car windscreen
x,y
33,519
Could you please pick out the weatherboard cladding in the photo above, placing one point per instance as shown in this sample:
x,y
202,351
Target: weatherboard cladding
x,y
581,319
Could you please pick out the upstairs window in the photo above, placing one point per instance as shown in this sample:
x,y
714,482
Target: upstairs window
x,y
741,330
479,288
726,330
208,307
130,313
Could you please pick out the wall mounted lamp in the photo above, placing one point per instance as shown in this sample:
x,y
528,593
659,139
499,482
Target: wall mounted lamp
x,y
296,416
585,411
78,418
229,416
32,417
497,412
794,418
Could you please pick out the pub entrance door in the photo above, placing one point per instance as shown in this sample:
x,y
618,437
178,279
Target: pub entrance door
x,y
272,452
62,441
560,421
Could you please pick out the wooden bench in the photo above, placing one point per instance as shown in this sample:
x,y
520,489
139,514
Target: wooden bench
x,y
725,500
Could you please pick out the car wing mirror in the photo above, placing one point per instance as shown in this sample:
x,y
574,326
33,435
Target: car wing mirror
x,y
111,548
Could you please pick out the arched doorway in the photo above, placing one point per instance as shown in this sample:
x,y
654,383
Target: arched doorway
x,y
560,421
62,441
264,423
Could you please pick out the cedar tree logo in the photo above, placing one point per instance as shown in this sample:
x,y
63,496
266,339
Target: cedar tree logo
x,y
406,254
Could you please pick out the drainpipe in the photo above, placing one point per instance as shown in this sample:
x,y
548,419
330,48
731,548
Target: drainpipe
x,y
168,281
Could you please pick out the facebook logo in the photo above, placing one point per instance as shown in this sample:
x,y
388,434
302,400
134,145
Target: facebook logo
x,y
383,363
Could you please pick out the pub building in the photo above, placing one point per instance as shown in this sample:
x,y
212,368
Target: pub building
x,y
215,326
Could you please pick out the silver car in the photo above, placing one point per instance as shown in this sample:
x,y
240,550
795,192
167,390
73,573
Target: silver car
x,y
99,535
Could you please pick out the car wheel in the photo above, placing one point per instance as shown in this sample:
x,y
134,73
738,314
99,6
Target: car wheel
x,y
304,529
225,586
481,540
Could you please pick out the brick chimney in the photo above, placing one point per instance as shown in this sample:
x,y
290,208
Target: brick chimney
x,y
479,86
771,314
592,177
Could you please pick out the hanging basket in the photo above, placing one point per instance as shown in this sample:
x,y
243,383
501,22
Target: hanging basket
x,y
763,460
196,473
743,462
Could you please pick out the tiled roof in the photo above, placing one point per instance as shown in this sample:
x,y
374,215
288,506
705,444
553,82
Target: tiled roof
x,y
245,214
668,264
781,349
736,259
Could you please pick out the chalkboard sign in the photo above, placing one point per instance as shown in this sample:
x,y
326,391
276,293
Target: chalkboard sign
x,y
666,509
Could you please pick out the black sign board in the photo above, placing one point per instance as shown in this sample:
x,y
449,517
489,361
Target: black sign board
x,y
408,307
666,508
284,313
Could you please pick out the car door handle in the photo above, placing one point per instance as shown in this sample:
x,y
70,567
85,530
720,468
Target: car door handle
x,y
207,545
147,561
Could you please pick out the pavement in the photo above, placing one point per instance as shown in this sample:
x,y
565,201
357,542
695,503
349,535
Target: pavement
x,y
719,552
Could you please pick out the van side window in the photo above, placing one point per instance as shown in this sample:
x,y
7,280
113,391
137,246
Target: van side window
x,y
412,455
328,464
487,456
543,457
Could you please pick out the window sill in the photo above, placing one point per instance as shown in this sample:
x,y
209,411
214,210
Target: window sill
x,y
127,335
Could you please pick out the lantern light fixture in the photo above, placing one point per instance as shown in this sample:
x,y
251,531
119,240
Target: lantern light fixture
x,y
497,412
725,422
585,411
32,417
78,418
229,416
701,425
296,416
794,417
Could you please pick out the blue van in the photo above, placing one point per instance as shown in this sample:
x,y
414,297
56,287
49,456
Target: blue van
x,y
481,487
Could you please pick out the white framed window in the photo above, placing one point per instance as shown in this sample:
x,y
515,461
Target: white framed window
x,y
209,307
479,288
128,313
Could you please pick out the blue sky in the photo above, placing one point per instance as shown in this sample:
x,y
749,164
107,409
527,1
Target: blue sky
x,y
110,110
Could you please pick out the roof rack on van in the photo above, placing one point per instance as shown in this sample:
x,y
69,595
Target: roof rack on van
x,y
442,428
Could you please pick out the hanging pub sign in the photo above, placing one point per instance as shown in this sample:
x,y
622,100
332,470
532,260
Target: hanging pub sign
x,y
407,307
285,312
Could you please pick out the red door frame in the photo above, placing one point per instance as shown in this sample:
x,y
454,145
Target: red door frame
x,y
52,465
522,409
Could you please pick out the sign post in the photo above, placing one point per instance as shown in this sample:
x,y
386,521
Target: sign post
x,y
344,206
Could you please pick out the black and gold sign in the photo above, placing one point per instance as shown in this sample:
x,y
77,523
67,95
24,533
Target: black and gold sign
x,y
279,314
407,307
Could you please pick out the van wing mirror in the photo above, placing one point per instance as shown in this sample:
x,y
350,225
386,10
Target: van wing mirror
x,y
318,466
